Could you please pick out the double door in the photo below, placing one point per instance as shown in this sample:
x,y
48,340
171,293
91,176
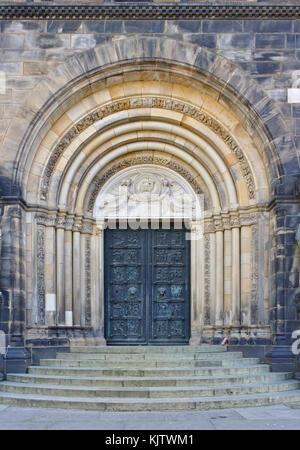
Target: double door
x,y
147,287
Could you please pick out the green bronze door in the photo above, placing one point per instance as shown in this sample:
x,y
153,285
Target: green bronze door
x,y
147,287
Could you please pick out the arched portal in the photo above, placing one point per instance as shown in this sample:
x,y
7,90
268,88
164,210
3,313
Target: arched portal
x,y
151,223
167,108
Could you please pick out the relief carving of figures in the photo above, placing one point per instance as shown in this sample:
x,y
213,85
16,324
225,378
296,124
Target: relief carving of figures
x,y
146,192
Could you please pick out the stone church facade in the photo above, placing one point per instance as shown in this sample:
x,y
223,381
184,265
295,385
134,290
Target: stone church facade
x,y
179,100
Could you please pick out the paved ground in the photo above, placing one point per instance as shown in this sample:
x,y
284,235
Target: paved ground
x,y
279,417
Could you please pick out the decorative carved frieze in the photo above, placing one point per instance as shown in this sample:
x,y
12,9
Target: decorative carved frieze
x,y
88,281
87,228
45,219
150,11
15,212
65,221
235,221
41,274
151,102
231,220
248,219
254,275
209,226
207,273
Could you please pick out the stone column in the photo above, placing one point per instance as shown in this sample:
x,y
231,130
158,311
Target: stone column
x,y
50,275
18,304
76,274
68,279
246,276
40,278
236,277
219,279
197,282
100,285
60,275
12,289
228,278
82,278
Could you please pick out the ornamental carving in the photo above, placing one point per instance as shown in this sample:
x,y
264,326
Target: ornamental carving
x,y
254,275
138,160
151,102
221,223
67,222
41,274
88,314
147,192
207,279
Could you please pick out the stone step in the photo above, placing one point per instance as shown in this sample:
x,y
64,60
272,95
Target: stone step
x,y
271,377
149,349
154,392
150,404
151,356
136,364
156,372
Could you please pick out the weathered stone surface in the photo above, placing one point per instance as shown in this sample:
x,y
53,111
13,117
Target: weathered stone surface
x,y
247,71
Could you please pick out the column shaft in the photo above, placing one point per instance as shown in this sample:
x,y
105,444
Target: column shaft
x,y
50,281
219,278
227,278
76,277
236,277
68,279
246,276
60,275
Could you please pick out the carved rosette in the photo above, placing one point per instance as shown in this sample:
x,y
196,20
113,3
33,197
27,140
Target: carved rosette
x,y
151,102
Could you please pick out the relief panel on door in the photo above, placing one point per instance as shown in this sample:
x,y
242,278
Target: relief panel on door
x,y
147,287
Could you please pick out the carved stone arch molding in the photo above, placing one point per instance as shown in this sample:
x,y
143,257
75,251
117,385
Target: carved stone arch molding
x,y
148,102
81,73
49,145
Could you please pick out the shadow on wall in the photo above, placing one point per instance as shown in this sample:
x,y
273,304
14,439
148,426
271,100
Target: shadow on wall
x,y
7,187
2,353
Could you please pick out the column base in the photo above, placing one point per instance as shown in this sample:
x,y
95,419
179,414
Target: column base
x,y
2,367
17,359
195,338
282,359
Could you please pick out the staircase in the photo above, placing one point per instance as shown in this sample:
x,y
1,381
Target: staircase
x,y
178,378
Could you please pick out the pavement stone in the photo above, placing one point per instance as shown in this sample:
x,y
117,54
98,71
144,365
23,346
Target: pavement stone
x,y
278,417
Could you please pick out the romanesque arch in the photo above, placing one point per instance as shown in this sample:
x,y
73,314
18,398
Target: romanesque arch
x,y
164,104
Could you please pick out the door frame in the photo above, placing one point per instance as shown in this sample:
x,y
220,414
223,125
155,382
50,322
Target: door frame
x,y
197,279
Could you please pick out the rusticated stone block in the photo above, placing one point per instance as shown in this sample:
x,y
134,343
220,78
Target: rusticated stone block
x,y
11,41
269,41
86,41
222,26
236,40
47,40
64,26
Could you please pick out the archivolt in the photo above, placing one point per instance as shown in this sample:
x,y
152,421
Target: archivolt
x,y
144,107
148,102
